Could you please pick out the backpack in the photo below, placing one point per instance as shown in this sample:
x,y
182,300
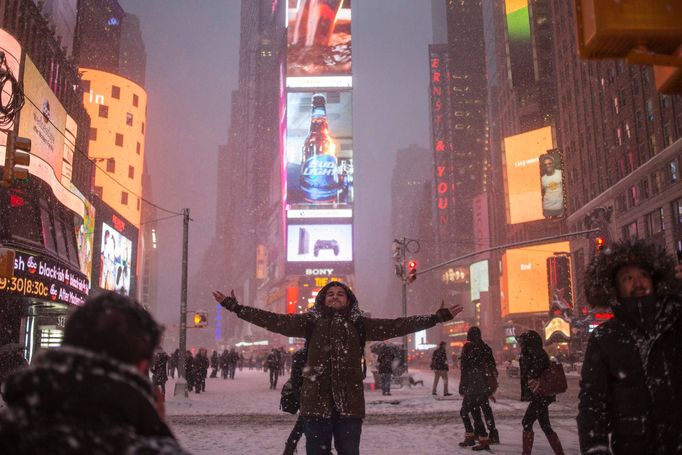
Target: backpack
x,y
290,399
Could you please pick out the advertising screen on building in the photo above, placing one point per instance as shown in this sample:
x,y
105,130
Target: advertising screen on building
x,y
532,188
520,50
52,133
478,276
12,50
116,252
560,287
524,284
319,42
319,243
319,150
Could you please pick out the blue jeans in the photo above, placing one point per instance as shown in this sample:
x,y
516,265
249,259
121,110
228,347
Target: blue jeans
x,y
319,431
385,382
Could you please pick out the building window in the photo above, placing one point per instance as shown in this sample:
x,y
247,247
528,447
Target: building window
x,y
630,231
93,134
659,181
131,172
124,197
119,139
111,165
138,204
667,136
650,110
672,171
138,148
142,127
99,191
136,100
103,111
677,211
129,119
621,205
644,188
116,92
634,196
654,222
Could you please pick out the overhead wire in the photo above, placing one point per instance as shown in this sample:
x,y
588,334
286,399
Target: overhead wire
x,y
76,148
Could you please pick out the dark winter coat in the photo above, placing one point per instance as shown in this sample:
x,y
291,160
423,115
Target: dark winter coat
x,y
73,401
478,369
175,356
160,368
439,360
333,375
631,384
201,366
190,369
385,361
532,363
214,360
232,358
272,361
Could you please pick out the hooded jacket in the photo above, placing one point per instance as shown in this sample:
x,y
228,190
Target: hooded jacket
x,y
332,377
631,381
73,401
479,371
532,363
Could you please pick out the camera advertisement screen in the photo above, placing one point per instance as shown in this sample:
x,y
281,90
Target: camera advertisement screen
x,y
533,183
320,242
319,38
319,150
115,261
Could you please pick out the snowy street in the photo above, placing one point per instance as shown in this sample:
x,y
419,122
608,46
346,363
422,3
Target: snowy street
x,y
241,416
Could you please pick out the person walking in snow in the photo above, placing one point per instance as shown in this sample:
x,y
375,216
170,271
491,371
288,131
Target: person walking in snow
x,y
93,394
160,371
532,363
190,371
631,380
385,359
439,365
332,395
272,365
173,363
201,370
214,364
232,360
477,383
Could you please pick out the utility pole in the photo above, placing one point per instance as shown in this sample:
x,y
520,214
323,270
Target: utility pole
x,y
181,384
400,248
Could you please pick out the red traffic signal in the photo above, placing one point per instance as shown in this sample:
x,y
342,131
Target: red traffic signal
x,y
412,265
599,244
411,271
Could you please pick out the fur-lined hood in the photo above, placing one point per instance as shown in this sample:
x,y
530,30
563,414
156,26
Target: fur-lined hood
x,y
600,277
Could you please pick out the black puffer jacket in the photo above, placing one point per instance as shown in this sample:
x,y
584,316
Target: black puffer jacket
x,y
73,401
631,384
439,360
479,372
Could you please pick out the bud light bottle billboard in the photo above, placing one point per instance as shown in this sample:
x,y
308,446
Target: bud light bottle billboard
x,y
319,178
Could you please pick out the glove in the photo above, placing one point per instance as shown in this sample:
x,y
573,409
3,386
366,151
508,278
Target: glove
x,y
443,315
230,304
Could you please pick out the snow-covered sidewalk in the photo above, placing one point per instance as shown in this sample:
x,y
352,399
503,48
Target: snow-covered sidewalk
x,y
242,416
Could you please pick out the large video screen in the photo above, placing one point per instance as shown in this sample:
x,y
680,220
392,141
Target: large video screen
x,y
115,261
319,38
319,150
319,242
524,281
534,179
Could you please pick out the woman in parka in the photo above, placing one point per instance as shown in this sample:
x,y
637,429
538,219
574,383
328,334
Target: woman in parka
x,y
332,395
532,363
631,380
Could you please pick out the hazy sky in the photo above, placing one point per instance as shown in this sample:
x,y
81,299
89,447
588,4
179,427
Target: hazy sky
x,y
192,64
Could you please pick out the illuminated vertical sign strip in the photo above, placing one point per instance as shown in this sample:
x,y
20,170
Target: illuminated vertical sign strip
x,y
519,39
442,145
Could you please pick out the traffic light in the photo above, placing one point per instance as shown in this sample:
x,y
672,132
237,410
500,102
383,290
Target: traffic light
x,y
411,271
200,319
599,244
16,154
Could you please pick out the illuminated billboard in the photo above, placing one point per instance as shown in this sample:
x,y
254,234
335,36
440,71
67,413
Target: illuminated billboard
x,y
114,266
524,283
478,276
532,187
319,243
319,150
560,286
12,50
520,50
52,133
319,43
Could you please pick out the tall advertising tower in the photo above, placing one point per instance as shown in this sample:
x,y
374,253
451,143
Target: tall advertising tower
x,y
317,140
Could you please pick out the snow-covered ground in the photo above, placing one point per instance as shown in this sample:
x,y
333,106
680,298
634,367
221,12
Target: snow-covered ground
x,y
242,416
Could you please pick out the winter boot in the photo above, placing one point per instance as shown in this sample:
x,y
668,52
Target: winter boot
x,y
483,444
494,437
469,440
555,444
527,442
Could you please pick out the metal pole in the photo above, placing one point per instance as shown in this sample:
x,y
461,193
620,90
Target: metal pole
x,y
405,315
183,293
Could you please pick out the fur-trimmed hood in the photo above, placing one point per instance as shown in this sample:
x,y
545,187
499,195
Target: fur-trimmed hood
x,y
600,276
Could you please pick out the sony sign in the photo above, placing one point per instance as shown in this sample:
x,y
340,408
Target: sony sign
x,y
319,272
